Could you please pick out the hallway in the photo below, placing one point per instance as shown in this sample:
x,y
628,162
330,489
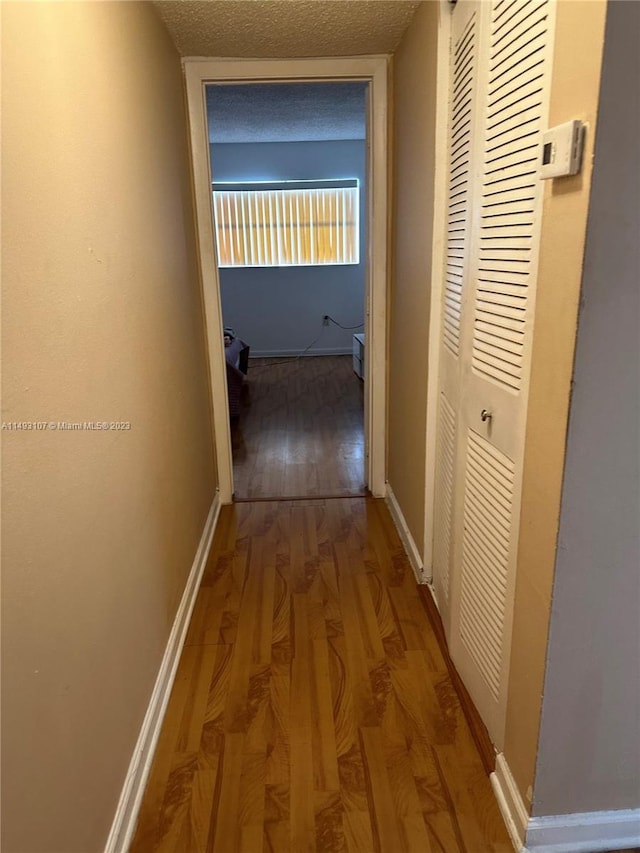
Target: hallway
x,y
312,709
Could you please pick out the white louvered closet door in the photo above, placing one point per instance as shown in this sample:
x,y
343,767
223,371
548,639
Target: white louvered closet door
x,y
505,201
463,78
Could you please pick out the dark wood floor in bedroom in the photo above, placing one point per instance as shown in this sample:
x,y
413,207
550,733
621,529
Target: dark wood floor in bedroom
x,y
301,430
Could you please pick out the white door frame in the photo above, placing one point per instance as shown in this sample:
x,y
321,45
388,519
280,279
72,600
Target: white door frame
x,y
438,256
373,70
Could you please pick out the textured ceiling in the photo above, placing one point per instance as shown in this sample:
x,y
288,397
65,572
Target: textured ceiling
x,y
280,28
286,112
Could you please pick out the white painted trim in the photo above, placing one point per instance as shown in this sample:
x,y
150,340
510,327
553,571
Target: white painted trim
x,y
210,282
295,353
438,256
124,822
432,590
372,69
588,832
405,535
375,354
585,832
511,805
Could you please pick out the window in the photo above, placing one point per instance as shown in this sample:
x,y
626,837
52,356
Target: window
x,y
295,223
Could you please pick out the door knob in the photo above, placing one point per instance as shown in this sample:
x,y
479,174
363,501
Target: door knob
x,y
485,415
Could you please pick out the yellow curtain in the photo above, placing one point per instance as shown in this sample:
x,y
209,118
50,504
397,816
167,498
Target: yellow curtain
x,y
287,227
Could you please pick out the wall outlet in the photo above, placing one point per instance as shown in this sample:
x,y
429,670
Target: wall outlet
x,y
325,320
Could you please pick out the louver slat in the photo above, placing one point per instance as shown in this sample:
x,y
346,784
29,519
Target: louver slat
x,y
461,118
487,513
510,189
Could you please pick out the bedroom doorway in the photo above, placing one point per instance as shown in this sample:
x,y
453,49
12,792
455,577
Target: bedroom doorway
x,y
326,439
288,164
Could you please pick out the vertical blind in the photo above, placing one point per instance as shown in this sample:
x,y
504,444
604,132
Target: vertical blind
x,y
287,227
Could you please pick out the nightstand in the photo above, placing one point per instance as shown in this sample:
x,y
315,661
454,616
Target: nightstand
x,y
358,355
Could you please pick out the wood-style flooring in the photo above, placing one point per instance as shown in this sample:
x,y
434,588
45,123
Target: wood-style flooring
x,y
312,709
301,430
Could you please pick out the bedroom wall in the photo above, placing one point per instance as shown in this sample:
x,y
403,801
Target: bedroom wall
x,y
414,105
102,320
279,310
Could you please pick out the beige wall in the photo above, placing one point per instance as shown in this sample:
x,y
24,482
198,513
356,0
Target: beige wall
x,y
574,94
102,320
589,753
414,103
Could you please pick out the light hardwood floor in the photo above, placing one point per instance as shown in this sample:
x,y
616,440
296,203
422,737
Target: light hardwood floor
x,y
312,709
301,430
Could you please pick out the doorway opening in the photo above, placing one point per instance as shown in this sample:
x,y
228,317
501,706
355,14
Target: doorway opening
x,y
288,163
221,216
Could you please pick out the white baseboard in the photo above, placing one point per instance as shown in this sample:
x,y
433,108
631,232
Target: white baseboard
x,y
511,805
405,535
126,816
587,832
293,353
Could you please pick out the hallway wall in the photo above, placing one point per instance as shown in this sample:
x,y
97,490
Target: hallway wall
x,y
589,753
102,321
575,85
414,105
574,94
